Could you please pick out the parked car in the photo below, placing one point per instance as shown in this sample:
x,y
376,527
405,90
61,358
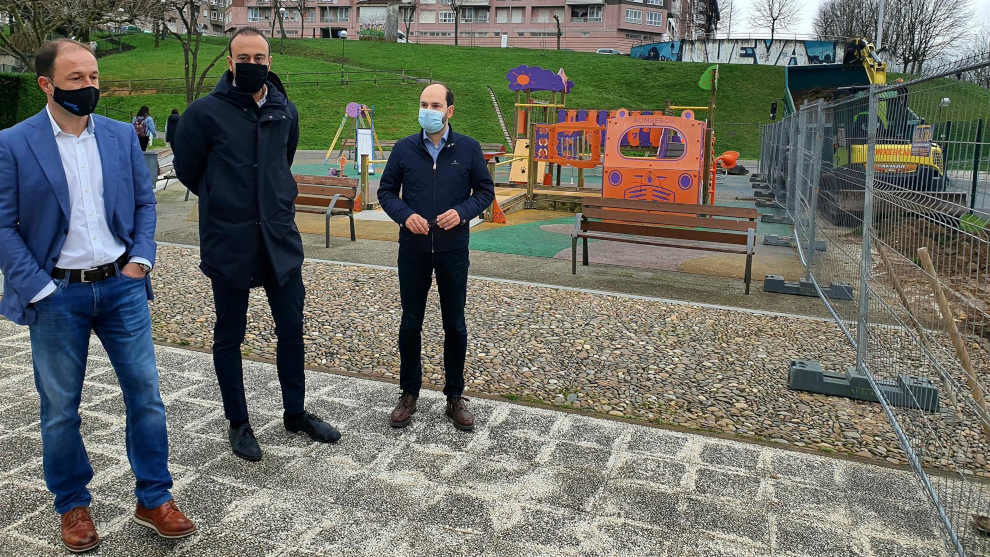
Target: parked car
x,y
608,51
400,37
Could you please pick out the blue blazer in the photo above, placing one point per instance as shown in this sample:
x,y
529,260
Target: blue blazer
x,y
34,205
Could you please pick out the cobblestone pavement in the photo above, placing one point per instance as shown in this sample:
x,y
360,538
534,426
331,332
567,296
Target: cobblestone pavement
x,y
680,365
527,482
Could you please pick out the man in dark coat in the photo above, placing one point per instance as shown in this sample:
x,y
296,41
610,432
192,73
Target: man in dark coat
x,y
234,149
444,183
171,126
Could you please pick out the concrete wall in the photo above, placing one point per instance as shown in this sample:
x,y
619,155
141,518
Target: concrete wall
x,y
781,52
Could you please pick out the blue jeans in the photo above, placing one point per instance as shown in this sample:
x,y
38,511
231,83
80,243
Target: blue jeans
x,y
117,310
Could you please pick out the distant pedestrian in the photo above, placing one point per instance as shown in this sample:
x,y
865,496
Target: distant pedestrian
x,y
171,125
144,126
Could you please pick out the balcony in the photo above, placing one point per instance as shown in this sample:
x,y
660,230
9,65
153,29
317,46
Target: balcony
x,y
334,19
584,2
597,19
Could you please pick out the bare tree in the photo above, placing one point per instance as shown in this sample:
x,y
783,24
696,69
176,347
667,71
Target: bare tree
x,y
32,22
191,40
775,14
914,31
706,17
408,15
980,47
301,8
727,9
455,6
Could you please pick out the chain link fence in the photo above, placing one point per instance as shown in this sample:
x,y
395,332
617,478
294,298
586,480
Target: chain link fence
x,y
889,192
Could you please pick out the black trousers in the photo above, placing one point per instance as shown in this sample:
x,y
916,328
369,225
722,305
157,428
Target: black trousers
x,y
416,271
286,302
143,141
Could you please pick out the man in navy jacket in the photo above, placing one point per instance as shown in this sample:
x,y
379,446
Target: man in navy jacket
x,y
435,182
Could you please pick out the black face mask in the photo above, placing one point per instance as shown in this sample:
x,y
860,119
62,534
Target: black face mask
x,y
81,102
250,78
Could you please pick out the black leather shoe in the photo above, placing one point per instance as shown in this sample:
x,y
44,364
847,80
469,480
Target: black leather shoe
x,y
317,429
243,443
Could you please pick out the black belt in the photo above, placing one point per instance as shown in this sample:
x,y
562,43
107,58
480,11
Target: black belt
x,y
96,274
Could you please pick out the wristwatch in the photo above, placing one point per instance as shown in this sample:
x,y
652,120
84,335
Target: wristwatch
x,y
144,268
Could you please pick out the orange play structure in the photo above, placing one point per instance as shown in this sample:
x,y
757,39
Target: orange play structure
x,y
644,155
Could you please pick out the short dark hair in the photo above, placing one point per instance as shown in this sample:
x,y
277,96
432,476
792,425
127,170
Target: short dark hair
x,y
450,94
44,59
248,32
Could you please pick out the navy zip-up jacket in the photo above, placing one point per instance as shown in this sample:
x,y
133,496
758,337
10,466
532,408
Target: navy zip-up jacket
x,y
411,183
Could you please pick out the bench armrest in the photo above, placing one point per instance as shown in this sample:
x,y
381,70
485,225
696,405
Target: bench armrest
x,y
333,201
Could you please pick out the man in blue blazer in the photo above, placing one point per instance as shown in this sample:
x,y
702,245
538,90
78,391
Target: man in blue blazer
x,y
77,240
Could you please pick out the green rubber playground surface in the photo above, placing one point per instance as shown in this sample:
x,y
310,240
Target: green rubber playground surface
x,y
523,239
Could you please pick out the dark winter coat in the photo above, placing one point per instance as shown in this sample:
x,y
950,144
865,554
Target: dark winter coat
x,y
411,183
237,158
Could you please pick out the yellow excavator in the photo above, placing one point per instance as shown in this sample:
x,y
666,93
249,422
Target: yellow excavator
x,y
900,163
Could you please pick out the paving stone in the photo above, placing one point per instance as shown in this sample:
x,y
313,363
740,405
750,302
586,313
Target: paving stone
x,y
810,538
733,456
717,483
599,433
572,455
564,487
653,471
633,502
20,501
746,522
655,442
461,511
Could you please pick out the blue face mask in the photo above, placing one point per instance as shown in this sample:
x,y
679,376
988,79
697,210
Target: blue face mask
x,y
431,120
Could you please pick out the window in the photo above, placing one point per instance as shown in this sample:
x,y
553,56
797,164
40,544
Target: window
x,y
654,18
427,17
334,15
427,1
655,2
474,15
311,15
447,17
518,15
501,15
586,14
254,14
634,16
545,15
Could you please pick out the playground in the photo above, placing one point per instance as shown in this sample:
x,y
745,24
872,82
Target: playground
x,y
657,156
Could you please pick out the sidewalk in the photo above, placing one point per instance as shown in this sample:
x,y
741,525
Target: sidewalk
x,y
527,482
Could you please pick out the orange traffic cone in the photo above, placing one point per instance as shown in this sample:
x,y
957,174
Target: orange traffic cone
x,y
358,204
498,216
547,179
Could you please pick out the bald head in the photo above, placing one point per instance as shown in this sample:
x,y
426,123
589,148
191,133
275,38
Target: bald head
x,y
436,93
51,52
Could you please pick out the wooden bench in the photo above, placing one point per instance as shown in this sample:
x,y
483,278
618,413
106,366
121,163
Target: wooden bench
x,y
327,195
700,227
348,143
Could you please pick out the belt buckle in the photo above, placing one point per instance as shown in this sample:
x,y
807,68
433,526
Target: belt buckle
x,y
82,275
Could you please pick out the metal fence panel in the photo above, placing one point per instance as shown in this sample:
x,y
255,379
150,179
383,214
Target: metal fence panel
x,y
894,184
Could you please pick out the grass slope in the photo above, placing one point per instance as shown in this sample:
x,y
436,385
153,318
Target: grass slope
x,y
601,82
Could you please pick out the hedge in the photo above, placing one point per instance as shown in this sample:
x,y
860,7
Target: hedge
x,y
20,98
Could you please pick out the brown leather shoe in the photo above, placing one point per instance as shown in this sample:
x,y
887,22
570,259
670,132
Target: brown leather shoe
x,y
78,532
459,415
167,520
404,410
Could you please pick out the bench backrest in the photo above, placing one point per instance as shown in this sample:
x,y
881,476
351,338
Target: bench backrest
x,y
730,225
316,191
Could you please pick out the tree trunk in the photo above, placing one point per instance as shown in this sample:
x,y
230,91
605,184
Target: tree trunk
x,y
155,30
457,22
391,22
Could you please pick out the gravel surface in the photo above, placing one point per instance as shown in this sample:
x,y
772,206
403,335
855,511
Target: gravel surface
x,y
682,366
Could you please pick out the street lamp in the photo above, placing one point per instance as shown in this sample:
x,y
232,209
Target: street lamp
x,y
281,22
343,36
944,103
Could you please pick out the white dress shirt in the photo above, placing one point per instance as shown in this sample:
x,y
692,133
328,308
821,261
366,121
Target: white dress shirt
x,y
90,243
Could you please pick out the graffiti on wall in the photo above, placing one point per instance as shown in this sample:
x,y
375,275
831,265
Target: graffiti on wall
x,y
742,51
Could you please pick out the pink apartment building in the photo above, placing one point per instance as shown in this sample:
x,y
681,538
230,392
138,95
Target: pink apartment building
x,y
585,25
